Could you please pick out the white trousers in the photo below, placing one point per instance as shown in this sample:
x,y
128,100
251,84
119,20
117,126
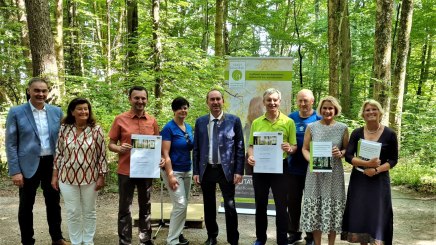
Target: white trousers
x,y
180,198
81,214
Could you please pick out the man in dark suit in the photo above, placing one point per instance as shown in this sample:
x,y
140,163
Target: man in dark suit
x,y
218,158
31,134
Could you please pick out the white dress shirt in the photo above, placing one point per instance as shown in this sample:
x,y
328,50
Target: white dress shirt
x,y
211,122
41,121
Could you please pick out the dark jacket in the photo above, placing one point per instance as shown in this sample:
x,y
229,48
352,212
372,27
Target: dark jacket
x,y
231,145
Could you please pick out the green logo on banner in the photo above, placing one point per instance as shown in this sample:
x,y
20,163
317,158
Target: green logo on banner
x,y
237,75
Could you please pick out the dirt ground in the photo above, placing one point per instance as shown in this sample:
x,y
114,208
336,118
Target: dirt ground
x,y
414,220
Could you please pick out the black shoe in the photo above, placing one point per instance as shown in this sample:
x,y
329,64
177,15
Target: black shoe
x,y
210,241
294,239
183,240
149,242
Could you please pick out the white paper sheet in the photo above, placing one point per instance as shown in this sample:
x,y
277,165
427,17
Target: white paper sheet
x,y
267,152
145,156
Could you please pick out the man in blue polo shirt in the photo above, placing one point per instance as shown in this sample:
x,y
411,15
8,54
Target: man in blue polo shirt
x,y
298,165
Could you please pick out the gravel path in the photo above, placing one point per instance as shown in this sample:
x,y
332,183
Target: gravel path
x,y
414,221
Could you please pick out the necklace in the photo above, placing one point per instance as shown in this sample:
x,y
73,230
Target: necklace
x,y
373,132
80,127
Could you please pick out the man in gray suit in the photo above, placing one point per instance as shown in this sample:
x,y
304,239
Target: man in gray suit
x,y
31,134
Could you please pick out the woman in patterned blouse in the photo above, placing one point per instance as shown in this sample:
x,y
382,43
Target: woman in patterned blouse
x,y
79,169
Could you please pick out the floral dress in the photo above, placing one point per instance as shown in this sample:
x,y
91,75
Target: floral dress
x,y
324,193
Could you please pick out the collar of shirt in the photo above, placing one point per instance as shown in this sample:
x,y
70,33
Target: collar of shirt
x,y
34,108
133,115
276,120
211,117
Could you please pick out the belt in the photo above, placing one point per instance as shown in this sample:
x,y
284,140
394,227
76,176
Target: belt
x,y
214,165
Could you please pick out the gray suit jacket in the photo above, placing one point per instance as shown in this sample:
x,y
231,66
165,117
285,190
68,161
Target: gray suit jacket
x,y
23,145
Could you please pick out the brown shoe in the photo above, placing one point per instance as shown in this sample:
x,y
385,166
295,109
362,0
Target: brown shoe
x,y
60,242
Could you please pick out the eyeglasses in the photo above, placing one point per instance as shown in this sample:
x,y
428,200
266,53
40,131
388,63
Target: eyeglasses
x,y
188,140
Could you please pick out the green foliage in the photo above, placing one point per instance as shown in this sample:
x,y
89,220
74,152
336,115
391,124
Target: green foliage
x,y
419,130
255,28
411,173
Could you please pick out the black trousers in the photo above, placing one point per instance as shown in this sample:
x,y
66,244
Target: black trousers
x,y
296,188
278,183
211,177
126,188
27,199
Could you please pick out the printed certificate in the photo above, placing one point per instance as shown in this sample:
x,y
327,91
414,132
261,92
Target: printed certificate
x,y
145,156
321,156
267,152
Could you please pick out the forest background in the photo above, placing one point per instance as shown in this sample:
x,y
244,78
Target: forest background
x,y
352,50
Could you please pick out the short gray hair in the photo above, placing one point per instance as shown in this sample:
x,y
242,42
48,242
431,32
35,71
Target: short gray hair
x,y
306,91
37,79
272,91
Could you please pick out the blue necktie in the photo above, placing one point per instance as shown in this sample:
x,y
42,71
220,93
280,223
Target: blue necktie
x,y
215,142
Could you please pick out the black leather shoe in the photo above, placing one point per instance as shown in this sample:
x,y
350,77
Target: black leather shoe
x,y
211,241
183,240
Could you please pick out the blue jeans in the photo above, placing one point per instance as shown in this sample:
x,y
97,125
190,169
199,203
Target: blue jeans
x,y
180,198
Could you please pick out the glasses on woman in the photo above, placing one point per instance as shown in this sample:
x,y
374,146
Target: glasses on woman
x,y
188,140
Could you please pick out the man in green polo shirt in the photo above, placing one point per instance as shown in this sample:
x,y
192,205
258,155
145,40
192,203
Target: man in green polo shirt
x,y
272,121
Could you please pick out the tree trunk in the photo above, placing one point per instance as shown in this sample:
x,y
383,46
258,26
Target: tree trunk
x,y
22,18
108,42
345,57
394,33
98,28
406,82
382,56
219,15
333,44
157,53
59,43
316,51
132,33
425,64
399,76
226,31
300,55
205,38
286,21
73,64
42,45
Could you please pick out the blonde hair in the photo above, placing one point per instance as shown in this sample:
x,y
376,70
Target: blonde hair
x,y
373,103
332,100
